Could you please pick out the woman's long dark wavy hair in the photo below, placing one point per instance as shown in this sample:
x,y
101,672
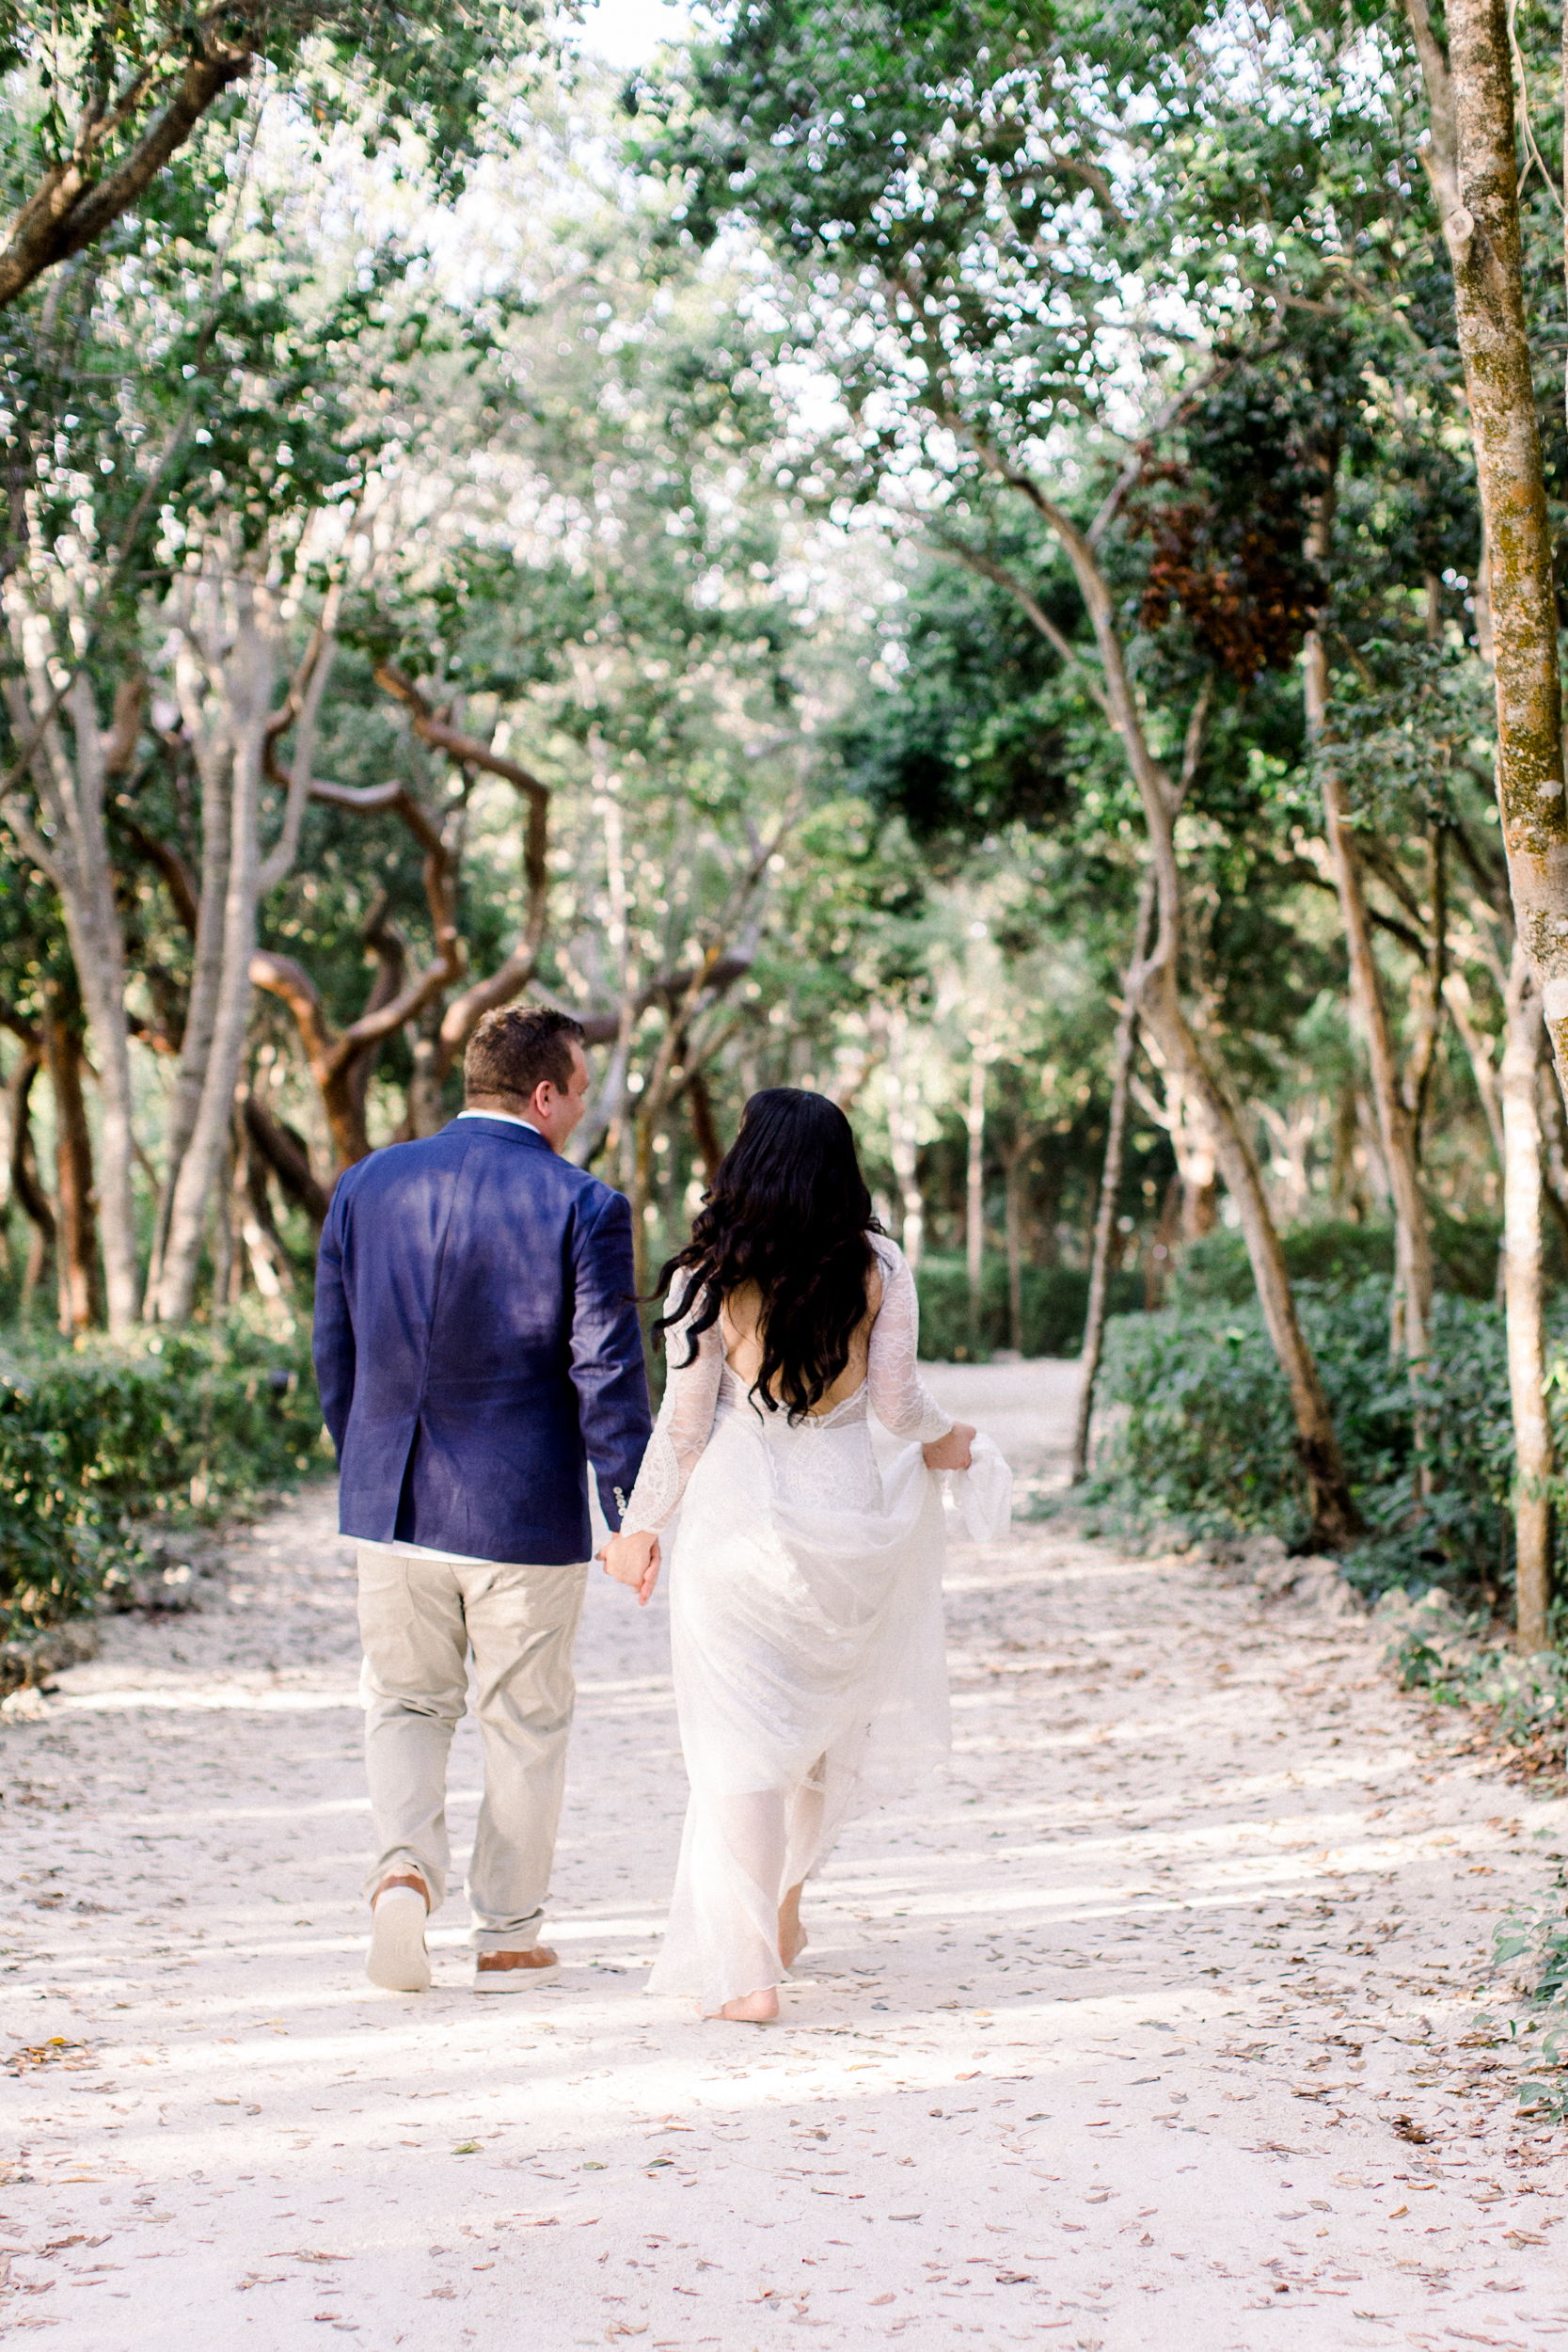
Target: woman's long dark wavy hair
x,y
789,1212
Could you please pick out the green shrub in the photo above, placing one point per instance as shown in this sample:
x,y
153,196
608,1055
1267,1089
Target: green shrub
x,y
98,1436
1204,1431
1054,1301
1338,1255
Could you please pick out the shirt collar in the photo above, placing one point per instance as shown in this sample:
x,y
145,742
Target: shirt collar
x,y
506,1119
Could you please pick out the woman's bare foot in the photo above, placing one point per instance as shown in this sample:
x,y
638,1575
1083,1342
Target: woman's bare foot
x,y
792,1935
753,2009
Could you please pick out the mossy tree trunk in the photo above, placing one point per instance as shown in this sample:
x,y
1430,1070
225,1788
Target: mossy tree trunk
x,y
1471,163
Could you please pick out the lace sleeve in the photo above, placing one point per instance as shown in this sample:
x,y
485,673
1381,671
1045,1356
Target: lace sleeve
x,y
899,1398
682,1428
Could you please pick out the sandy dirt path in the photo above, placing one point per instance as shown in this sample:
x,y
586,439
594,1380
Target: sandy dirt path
x,y
1152,2023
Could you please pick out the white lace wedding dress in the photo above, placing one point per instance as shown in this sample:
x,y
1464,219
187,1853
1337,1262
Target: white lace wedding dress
x,y
805,1618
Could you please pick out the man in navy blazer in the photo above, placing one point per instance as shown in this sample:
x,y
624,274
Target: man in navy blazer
x,y
477,1345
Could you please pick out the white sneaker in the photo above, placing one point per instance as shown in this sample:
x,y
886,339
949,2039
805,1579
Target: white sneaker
x,y
521,1971
399,1962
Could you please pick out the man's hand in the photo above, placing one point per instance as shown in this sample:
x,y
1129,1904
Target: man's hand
x,y
952,1451
633,1560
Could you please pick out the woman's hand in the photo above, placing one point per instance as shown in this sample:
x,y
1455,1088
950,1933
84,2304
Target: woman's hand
x,y
633,1560
952,1451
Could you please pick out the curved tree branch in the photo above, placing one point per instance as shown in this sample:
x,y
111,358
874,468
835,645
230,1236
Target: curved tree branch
x,y
463,1015
285,1154
334,1056
70,209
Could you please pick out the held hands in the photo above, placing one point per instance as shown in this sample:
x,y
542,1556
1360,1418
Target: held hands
x,y
952,1451
633,1560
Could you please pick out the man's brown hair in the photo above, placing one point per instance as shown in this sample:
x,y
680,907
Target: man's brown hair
x,y
515,1049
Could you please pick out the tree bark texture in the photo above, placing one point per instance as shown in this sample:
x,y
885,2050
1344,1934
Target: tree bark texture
x,y
214,768
226,670
63,831
1523,1292
1471,163
25,1187
1110,1182
76,1224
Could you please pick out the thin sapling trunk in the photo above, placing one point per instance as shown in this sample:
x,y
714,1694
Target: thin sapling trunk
x,y
1523,1291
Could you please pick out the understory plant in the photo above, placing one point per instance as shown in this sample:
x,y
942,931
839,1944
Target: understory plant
x,y
1198,1429
1455,1659
1533,1943
99,1438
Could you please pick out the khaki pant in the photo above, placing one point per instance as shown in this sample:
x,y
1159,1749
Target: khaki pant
x,y
417,1618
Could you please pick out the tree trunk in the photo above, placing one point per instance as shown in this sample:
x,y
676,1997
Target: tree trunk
x,y
232,639
640,1189
25,1186
98,950
214,766
975,1191
1410,1306
1426,996
1410,1309
203,1155
1344,1182
1532,1436
1470,160
76,1238
1012,1167
704,1132
1334,1518
1553,1130
1478,1049
223,1229
1167,1235
1110,1182
424,1091
273,1275
456,1024
65,836
903,1149
341,1063
288,1156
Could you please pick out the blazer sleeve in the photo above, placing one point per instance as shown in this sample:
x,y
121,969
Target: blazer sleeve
x,y
332,1337
608,1367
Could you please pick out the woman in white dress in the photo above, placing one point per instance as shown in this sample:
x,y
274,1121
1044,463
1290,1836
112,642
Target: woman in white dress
x,y
805,1585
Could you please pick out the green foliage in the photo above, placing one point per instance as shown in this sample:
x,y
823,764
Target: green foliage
x,y
1205,1431
1054,1300
95,1439
100,87
1532,1942
1334,1254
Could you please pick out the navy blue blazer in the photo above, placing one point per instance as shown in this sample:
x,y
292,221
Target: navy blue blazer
x,y
476,1339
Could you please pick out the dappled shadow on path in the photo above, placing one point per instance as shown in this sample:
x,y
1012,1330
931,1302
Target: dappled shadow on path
x,y
1146,2023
